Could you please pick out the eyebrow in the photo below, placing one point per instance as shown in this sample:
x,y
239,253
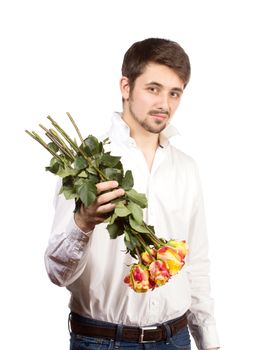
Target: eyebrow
x,y
177,89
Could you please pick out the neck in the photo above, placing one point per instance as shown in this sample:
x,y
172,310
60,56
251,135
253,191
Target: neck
x,y
147,142
144,139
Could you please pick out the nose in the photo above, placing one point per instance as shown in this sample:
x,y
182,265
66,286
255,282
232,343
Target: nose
x,y
163,102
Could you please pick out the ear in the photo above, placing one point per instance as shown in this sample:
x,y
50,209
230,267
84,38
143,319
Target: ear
x,y
124,87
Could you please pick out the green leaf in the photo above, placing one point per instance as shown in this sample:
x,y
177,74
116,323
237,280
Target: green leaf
x,y
53,147
101,148
136,226
138,198
91,145
111,219
54,167
92,170
78,182
83,174
87,192
127,182
152,228
109,161
113,174
136,211
66,171
80,163
121,210
127,236
68,188
130,241
68,181
106,141
95,161
115,229
69,193
54,161
94,178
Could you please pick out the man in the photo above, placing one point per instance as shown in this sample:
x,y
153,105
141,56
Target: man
x,y
105,313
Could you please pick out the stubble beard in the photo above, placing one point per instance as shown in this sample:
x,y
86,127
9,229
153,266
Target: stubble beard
x,y
155,129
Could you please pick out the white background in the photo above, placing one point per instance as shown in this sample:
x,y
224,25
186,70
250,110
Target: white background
x,y
59,56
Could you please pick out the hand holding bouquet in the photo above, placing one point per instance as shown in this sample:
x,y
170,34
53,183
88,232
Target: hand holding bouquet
x,y
81,167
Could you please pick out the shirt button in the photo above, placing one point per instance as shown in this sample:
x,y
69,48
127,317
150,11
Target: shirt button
x,y
131,143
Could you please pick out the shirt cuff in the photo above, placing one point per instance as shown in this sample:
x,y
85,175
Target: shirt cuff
x,y
205,337
73,230
210,337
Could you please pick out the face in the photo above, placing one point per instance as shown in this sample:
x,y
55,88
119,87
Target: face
x,y
154,99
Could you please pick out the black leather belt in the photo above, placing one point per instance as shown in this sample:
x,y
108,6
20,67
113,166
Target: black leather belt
x,y
146,334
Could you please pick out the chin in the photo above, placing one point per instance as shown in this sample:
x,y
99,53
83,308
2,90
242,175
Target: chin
x,y
155,130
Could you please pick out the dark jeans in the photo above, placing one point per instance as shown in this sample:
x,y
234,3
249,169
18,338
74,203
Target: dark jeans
x,y
180,341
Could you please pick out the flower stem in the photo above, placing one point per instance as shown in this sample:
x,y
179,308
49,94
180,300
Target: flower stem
x,y
152,235
36,137
139,255
54,137
146,247
54,133
76,127
77,149
64,134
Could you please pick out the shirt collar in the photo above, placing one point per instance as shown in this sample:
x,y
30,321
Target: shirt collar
x,y
121,131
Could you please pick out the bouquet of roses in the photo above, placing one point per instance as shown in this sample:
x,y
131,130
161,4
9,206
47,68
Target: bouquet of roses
x,y
81,167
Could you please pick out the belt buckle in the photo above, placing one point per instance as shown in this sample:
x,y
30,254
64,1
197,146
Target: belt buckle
x,y
141,338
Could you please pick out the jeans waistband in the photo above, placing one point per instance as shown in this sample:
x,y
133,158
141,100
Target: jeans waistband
x,y
141,334
87,320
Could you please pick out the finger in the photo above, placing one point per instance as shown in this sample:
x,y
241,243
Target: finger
x,y
104,209
106,186
109,196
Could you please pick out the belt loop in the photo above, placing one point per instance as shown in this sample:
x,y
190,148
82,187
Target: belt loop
x,y
69,323
168,332
119,332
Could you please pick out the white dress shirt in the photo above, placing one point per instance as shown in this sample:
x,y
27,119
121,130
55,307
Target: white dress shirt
x,y
92,266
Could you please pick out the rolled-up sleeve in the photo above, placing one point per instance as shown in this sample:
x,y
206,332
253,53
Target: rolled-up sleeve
x,y
65,256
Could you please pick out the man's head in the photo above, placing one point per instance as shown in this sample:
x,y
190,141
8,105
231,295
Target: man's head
x,y
155,73
155,50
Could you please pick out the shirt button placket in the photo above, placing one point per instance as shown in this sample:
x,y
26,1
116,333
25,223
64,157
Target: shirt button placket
x,y
154,310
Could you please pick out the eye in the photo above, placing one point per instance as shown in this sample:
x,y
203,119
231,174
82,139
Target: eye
x,y
153,89
175,94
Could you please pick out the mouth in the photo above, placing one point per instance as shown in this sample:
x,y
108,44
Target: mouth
x,y
159,116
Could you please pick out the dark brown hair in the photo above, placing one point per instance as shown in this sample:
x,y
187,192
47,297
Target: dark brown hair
x,y
156,50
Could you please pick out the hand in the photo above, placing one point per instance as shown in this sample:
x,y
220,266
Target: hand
x,y
87,218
